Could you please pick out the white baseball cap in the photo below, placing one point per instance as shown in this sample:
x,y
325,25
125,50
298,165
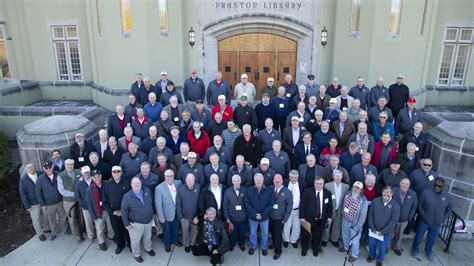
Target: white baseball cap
x,y
164,73
264,161
221,97
244,76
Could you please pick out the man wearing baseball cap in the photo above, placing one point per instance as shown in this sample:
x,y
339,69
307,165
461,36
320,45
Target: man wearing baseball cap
x,y
354,213
264,169
270,88
50,199
264,110
407,118
193,89
217,87
245,114
312,88
161,84
80,196
399,95
67,181
245,88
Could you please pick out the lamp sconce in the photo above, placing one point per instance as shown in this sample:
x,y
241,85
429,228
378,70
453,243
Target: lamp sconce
x,y
192,37
324,36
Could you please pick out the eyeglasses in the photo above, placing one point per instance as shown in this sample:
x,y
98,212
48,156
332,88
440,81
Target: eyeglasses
x,y
427,164
384,117
438,186
116,171
47,167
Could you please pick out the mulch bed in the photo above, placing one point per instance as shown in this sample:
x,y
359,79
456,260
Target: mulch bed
x,y
15,222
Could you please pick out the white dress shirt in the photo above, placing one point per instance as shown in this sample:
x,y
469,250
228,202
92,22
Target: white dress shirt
x,y
173,191
337,192
295,191
218,195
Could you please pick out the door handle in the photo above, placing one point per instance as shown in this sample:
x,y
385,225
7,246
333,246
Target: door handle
x,y
235,75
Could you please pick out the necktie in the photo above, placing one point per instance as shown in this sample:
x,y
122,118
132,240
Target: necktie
x,y
276,194
318,207
307,150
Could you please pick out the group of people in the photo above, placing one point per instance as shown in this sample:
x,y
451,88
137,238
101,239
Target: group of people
x,y
311,163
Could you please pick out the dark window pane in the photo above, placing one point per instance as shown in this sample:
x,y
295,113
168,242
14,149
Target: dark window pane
x,y
266,69
248,69
227,69
286,70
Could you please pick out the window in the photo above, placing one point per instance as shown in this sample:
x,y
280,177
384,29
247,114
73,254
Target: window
x,y
66,49
394,20
126,16
4,67
455,56
99,20
163,9
355,18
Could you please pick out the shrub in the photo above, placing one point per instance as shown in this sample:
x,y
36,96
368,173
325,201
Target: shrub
x,y
6,166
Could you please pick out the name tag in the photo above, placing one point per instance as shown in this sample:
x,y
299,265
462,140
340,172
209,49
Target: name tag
x,y
430,177
275,206
128,124
301,119
80,159
346,210
326,201
176,119
333,196
282,105
133,118
344,108
202,124
100,203
369,202
417,149
288,95
238,207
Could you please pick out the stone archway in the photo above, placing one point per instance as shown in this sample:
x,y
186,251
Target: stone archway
x,y
287,27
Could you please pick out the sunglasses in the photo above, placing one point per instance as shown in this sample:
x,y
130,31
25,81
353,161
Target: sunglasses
x,y
427,164
116,171
384,117
47,167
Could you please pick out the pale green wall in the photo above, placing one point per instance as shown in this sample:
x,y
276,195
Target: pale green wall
x,y
15,123
73,93
25,97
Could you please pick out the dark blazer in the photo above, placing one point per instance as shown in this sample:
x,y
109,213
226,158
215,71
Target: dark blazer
x,y
346,134
308,207
231,200
288,139
113,127
324,103
207,200
302,171
357,172
300,152
284,201
409,206
47,191
27,190
74,153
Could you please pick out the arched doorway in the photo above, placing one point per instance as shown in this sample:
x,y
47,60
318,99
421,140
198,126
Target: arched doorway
x,y
259,55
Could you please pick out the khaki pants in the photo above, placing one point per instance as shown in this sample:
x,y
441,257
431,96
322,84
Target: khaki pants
x,y
71,219
398,235
291,229
40,223
140,233
158,226
101,225
89,224
189,232
56,218
333,232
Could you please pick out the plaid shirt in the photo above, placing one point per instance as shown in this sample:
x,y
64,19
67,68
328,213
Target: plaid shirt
x,y
352,206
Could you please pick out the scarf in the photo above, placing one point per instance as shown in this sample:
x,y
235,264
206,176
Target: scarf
x,y
209,234
362,143
96,196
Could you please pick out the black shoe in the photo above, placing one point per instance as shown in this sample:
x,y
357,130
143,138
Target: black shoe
x,y
168,248
295,245
42,237
271,246
335,244
251,251
52,237
285,244
378,263
304,252
67,231
242,248
276,256
187,249
231,249
160,236
315,253
264,252
139,259
178,243
398,252
342,249
118,250
324,244
370,259
151,252
103,247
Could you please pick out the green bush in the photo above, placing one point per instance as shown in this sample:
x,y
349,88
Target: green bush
x,y
6,166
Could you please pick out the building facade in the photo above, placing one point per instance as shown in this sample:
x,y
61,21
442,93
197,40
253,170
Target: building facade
x,y
107,41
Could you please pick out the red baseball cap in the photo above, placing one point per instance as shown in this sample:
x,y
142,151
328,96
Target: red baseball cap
x,y
411,100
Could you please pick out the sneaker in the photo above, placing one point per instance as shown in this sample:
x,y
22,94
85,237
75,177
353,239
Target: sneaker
x,y
42,237
415,254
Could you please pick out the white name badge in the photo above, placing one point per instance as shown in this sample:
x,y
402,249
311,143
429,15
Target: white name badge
x,y
275,206
301,119
176,119
100,203
238,207
417,149
326,201
430,177
288,95
282,105
346,210
202,124
333,196
128,124
80,159
344,108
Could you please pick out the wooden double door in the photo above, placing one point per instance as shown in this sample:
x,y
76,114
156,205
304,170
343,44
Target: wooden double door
x,y
258,55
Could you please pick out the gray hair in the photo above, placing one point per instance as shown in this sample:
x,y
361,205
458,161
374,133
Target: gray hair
x,y
294,172
151,95
257,176
236,177
211,210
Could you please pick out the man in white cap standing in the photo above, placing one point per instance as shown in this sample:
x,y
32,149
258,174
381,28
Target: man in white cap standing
x,y
67,181
80,196
163,82
245,88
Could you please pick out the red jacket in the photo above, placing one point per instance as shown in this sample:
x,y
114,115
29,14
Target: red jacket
x,y
378,152
226,115
199,145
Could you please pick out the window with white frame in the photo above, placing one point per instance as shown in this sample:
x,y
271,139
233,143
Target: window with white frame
x,y
4,66
455,56
66,49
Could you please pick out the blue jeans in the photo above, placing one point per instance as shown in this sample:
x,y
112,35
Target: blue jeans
x,y
430,238
347,234
170,231
263,233
239,233
382,246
